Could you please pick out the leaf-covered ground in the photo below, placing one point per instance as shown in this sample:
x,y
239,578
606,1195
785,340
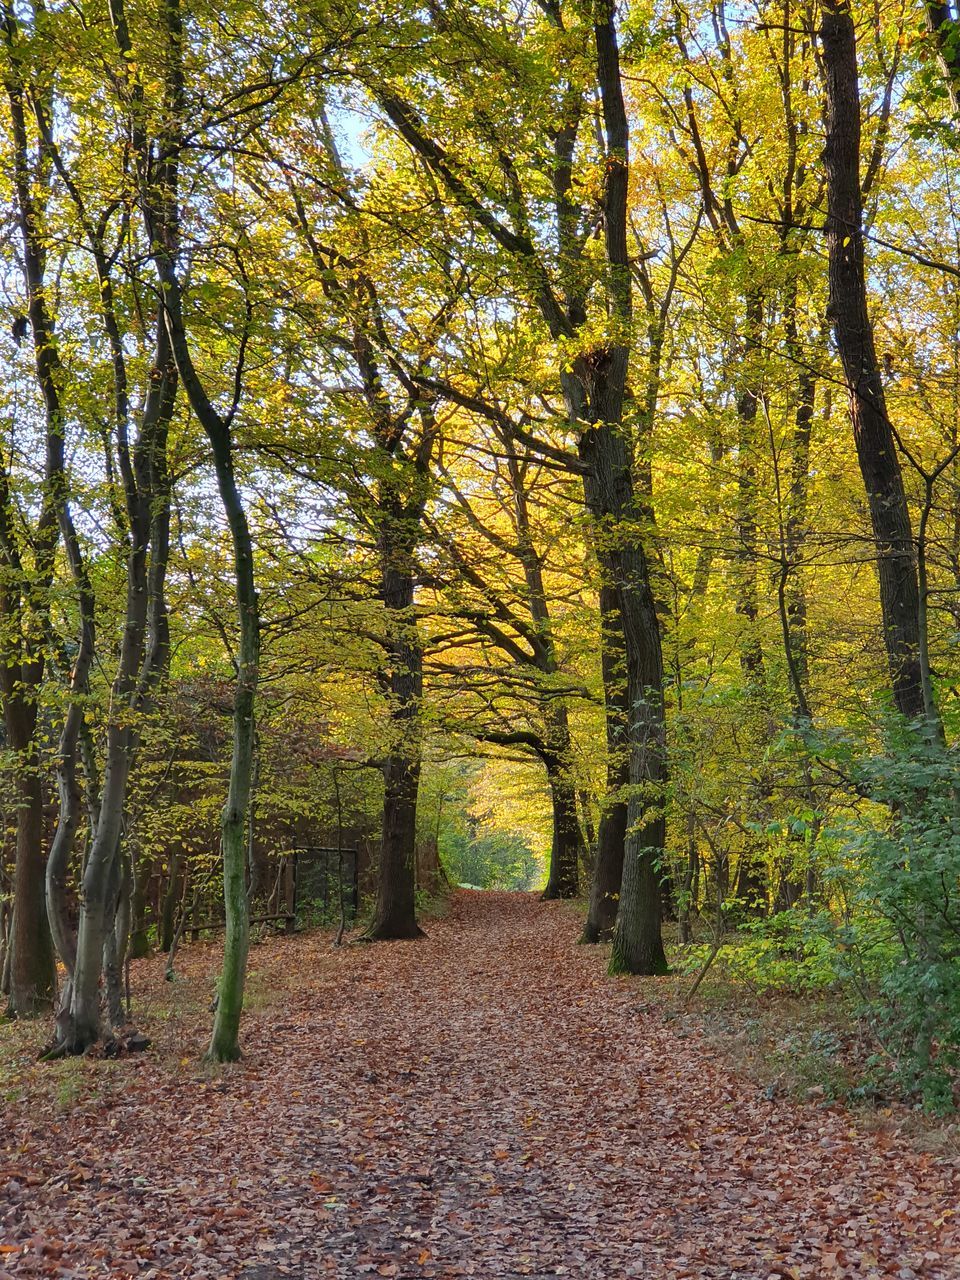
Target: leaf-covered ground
x,y
483,1103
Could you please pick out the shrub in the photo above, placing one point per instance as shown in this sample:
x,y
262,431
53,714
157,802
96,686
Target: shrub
x,y
900,940
788,952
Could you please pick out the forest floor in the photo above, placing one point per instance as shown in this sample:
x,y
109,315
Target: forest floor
x,y
484,1102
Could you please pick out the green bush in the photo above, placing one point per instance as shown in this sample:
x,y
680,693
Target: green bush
x,y
789,952
900,942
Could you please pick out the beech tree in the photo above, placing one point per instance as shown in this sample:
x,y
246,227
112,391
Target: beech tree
x,y
30,980
592,378
853,330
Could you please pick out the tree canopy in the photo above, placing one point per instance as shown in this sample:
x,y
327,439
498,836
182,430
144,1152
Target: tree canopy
x,y
511,443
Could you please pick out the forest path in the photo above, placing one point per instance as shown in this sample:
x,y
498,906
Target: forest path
x,y
485,1102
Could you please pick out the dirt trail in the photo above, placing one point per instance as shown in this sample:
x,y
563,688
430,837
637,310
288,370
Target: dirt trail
x,y
482,1103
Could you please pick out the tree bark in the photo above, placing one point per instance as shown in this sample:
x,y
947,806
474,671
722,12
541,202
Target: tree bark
x,y
25,604
139,935
567,845
225,1043
395,914
104,910
71,749
158,195
171,900
431,877
612,831
748,401
637,939
116,940
99,901
638,945
32,970
689,892
637,942
853,331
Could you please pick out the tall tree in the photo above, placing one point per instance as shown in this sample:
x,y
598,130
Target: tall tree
x,y
142,514
25,589
593,379
853,330
380,353
159,195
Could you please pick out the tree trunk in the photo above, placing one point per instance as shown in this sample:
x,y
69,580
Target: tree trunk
x,y
612,832
171,900
139,935
751,890
619,516
941,22
638,945
607,874
8,914
637,939
158,198
688,902
116,942
853,330
32,969
431,877
73,743
567,849
748,399
790,890
139,666
796,522
100,881
567,846
25,601
395,913
589,833
225,1038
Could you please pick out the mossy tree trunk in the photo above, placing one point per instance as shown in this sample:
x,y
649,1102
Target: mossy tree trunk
x,y
225,1042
